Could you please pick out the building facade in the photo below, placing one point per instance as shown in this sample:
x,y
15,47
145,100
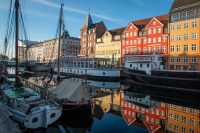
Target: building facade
x,y
47,50
182,119
184,29
89,32
143,38
109,45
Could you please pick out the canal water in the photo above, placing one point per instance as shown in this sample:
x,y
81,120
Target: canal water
x,y
121,107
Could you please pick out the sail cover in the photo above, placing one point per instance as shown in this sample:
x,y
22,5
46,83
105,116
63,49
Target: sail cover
x,y
71,90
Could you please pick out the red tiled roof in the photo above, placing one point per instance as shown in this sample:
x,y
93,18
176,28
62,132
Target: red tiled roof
x,y
141,24
118,31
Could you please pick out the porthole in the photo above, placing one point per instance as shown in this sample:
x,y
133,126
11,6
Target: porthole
x,y
103,73
53,115
35,120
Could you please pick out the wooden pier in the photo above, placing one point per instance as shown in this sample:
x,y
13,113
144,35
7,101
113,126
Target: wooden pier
x,y
6,124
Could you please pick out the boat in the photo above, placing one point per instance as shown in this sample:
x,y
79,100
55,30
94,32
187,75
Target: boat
x,y
90,68
150,72
72,96
28,107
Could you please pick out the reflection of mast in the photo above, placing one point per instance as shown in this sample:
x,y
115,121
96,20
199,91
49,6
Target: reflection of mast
x,y
16,38
59,40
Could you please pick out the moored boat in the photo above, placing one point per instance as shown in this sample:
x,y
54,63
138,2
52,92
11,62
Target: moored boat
x,y
28,107
150,72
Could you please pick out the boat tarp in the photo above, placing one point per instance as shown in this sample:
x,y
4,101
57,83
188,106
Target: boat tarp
x,y
71,90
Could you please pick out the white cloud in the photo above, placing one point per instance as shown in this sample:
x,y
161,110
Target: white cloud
x,y
48,3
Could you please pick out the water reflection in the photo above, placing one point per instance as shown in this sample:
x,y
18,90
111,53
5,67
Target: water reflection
x,y
122,108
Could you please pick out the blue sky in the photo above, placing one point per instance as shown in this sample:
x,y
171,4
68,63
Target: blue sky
x,y
42,15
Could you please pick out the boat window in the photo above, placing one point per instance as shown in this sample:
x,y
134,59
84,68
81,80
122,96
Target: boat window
x,y
140,65
103,73
103,84
35,120
130,65
81,72
147,65
53,115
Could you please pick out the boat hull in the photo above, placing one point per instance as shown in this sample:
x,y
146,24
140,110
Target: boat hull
x,y
39,118
181,83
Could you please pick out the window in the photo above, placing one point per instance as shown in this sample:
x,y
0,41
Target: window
x,y
154,49
131,51
139,41
164,49
185,59
176,117
171,59
131,42
149,49
178,48
185,48
145,50
149,40
134,33
138,50
131,34
164,39
183,130
159,39
172,27
194,24
159,49
183,119
178,26
131,27
145,41
159,30
184,109
171,48
190,14
185,36
192,121
194,35
170,106
35,120
135,41
178,37
178,59
126,42
53,115
194,48
193,59
172,38
127,34
191,131
176,107
176,127
149,31
154,39
154,31
185,25
191,111
169,125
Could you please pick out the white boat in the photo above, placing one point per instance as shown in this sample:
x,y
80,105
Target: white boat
x,y
29,108
90,68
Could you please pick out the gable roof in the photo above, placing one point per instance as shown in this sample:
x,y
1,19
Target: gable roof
x,y
181,5
141,24
118,31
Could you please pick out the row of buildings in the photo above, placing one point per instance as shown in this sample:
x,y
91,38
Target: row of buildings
x,y
173,36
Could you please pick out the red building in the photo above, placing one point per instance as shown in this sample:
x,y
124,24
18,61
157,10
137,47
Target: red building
x,y
144,37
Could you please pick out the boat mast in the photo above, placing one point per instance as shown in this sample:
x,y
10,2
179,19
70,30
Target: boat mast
x,y
59,40
16,37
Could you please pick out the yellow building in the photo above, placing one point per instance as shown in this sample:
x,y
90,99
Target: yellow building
x,y
184,39
182,119
109,45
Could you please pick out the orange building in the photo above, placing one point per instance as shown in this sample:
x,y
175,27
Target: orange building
x,y
144,37
184,30
182,119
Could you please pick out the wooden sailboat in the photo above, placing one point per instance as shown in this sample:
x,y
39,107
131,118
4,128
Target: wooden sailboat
x,y
72,95
27,106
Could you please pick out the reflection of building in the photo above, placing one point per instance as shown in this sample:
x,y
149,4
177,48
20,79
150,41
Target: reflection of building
x,y
89,32
183,119
184,27
109,45
144,37
153,118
